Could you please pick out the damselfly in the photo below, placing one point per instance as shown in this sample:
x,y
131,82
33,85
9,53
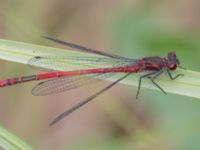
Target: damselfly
x,y
66,78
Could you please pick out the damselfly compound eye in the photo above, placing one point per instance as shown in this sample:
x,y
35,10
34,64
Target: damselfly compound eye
x,y
172,66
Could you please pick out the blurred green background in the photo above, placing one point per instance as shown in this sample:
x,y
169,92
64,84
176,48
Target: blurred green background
x,y
116,120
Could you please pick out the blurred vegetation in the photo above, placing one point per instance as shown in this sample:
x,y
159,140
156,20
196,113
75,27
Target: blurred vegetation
x,y
133,28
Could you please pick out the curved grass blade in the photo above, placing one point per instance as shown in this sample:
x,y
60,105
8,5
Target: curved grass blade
x,y
189,85
9,141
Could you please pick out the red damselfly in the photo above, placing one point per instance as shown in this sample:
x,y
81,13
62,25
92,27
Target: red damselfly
x,y
66,78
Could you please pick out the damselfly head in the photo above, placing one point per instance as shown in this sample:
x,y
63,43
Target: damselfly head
x,y
172,61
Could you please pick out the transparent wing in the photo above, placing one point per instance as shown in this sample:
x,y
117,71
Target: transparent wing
x,y
61,84
64,63
87,100
83,48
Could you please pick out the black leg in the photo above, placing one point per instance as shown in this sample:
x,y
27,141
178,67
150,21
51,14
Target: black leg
x,y
142,77
173,78
154,77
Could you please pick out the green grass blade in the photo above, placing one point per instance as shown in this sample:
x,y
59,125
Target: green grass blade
x,y
10,142
189,85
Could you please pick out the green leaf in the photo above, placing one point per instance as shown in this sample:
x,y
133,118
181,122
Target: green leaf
x,y
189,85
10,142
